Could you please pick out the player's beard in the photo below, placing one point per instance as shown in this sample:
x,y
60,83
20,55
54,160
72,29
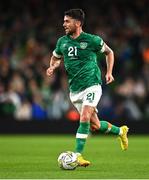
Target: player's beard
x,y
71,31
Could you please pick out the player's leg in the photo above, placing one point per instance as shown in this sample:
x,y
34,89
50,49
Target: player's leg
x,y
83,128
103,125
82,133
90,98
107,127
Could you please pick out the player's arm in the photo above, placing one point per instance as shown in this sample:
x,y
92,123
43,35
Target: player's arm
x,y
109,61
54,63
55,59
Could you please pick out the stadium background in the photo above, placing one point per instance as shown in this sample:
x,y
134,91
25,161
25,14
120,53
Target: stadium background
x,y
31,102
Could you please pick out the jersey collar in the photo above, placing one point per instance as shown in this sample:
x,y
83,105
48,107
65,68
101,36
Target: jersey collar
x,y
77,37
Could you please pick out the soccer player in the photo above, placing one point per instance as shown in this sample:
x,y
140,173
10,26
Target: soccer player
x,y
79,51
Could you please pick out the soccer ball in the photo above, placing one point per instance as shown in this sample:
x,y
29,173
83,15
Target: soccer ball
x,y
67,160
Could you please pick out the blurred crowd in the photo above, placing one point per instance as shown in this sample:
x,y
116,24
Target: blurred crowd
x,y
28,34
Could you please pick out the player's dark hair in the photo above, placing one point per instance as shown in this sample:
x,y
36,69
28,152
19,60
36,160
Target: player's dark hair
x,y
77,14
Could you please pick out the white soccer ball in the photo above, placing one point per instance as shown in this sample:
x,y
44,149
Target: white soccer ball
x,y
67,160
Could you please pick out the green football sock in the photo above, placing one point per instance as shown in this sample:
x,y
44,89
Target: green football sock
x,y
108,127
81,136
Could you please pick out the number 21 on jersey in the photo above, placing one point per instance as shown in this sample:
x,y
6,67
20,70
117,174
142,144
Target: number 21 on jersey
x,y
72,51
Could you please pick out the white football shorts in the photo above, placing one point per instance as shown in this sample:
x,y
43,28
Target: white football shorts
x,y
90,96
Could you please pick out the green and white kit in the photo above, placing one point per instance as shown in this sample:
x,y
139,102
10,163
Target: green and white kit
x,y
80,61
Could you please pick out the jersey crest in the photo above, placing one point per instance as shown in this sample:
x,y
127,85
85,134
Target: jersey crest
x,y
83,45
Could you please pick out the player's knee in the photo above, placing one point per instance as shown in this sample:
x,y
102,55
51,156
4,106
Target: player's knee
x,y
85,117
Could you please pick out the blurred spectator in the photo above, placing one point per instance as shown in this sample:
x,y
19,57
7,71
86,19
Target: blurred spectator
x,y
24,111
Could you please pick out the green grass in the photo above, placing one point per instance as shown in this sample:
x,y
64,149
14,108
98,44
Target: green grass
x,y
36,157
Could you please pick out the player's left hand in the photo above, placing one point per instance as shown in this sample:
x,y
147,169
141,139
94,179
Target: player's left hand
x,y
109,78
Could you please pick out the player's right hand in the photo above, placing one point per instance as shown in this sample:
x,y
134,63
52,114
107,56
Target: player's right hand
x,y
50,70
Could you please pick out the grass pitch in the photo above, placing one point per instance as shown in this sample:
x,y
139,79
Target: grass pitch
x,y
35,157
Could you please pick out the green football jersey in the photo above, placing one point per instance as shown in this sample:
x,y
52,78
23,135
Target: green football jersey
x,y
80,60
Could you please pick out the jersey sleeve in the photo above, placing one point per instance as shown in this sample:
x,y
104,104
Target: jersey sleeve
x,y
98,44
57,51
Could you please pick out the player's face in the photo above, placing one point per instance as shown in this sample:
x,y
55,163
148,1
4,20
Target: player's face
x,y
70,25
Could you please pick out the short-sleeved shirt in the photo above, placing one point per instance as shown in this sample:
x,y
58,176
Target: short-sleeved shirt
x,y
80,60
